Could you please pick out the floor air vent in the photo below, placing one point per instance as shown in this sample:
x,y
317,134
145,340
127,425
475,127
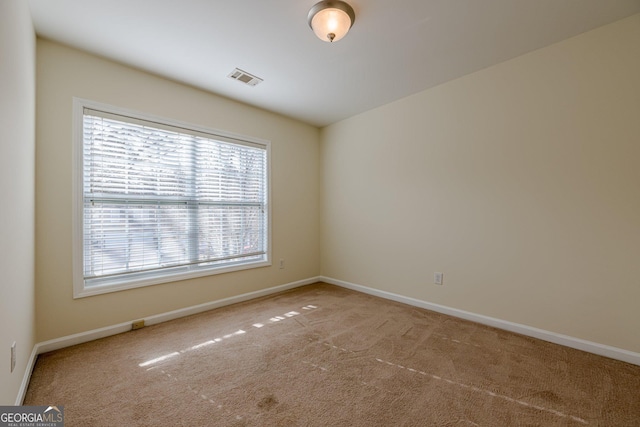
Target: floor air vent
x,y
244,77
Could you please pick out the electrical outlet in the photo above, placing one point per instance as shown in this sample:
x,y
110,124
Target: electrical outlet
x,y
437,278
13,356
281,263
137,324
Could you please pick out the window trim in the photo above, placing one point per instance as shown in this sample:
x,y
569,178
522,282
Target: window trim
x,y
79,288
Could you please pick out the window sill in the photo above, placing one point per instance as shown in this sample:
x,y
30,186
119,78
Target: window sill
x,y
82,291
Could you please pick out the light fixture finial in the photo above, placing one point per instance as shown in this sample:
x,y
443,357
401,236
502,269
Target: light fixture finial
x,y
331,20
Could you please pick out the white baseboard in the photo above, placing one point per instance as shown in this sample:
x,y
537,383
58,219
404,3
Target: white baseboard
x,y
565,340
95,334
27,376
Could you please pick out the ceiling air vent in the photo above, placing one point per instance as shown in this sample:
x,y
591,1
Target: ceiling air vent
x,y
244,77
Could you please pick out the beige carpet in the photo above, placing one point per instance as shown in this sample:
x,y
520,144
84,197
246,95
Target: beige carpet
x,y
325,356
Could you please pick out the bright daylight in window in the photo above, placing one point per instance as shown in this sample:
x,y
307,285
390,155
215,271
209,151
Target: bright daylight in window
x,y
159,201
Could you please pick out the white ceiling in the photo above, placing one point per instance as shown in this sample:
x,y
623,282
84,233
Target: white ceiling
x,y
395,48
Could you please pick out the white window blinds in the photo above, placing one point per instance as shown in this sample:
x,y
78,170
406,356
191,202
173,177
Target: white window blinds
x,y
160,199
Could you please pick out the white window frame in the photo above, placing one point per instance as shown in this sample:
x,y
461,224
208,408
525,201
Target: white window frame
x,y
79,288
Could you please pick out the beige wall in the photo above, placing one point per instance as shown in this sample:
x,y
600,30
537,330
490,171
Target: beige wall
x,y
520,182
63,73
17,187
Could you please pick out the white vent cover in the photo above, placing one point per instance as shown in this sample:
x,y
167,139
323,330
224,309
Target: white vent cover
x,y
244,77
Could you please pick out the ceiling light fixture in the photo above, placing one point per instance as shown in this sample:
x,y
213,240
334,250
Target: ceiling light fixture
x,y
331,20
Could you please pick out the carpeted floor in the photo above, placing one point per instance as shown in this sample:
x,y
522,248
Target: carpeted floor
x,y
325,356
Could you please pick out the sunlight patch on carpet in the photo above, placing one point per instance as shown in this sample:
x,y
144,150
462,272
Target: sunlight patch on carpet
x,y
275,319
159,359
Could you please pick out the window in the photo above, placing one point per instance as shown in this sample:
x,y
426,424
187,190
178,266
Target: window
x,y
159,201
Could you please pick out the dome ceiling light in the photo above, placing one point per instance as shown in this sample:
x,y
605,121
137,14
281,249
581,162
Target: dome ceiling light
x,y
331,20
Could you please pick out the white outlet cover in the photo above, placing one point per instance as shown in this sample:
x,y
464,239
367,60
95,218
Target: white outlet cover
x,y
13,356
437,278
